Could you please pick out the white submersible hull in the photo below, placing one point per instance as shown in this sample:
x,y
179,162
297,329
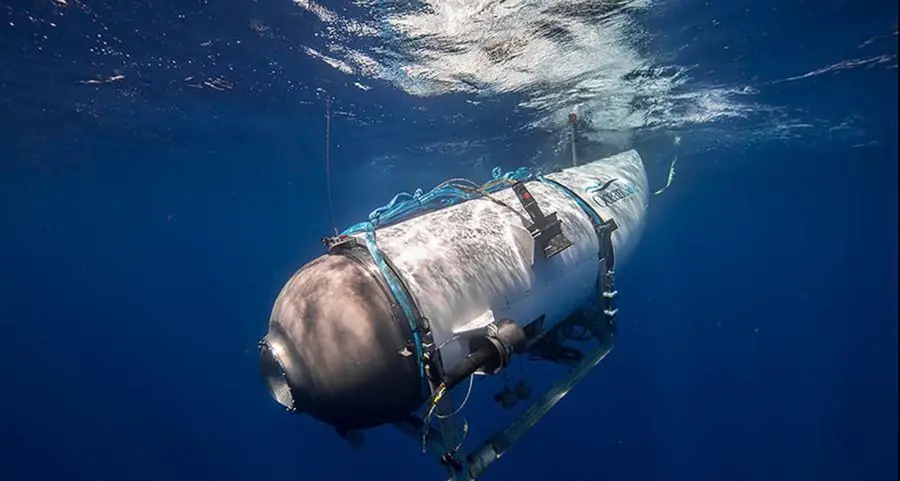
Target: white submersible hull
x,y
390,317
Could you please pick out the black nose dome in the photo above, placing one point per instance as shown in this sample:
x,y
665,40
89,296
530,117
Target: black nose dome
x,y
336,350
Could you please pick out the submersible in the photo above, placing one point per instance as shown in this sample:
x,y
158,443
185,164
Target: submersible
x,y
400,310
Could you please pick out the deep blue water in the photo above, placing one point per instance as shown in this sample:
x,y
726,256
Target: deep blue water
x,y
147,226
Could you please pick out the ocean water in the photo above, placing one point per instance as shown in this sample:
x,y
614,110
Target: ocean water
x,y
163,173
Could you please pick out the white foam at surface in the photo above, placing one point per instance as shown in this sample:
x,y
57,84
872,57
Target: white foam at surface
x,y
488,48
554,56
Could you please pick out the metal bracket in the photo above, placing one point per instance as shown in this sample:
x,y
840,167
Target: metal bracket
x,y
473,465
545,229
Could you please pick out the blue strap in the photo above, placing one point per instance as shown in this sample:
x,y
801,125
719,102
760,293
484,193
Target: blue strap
x,y
595,218
402,298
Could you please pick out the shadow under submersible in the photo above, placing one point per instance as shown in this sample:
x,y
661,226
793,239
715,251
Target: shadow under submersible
x,y
438,287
